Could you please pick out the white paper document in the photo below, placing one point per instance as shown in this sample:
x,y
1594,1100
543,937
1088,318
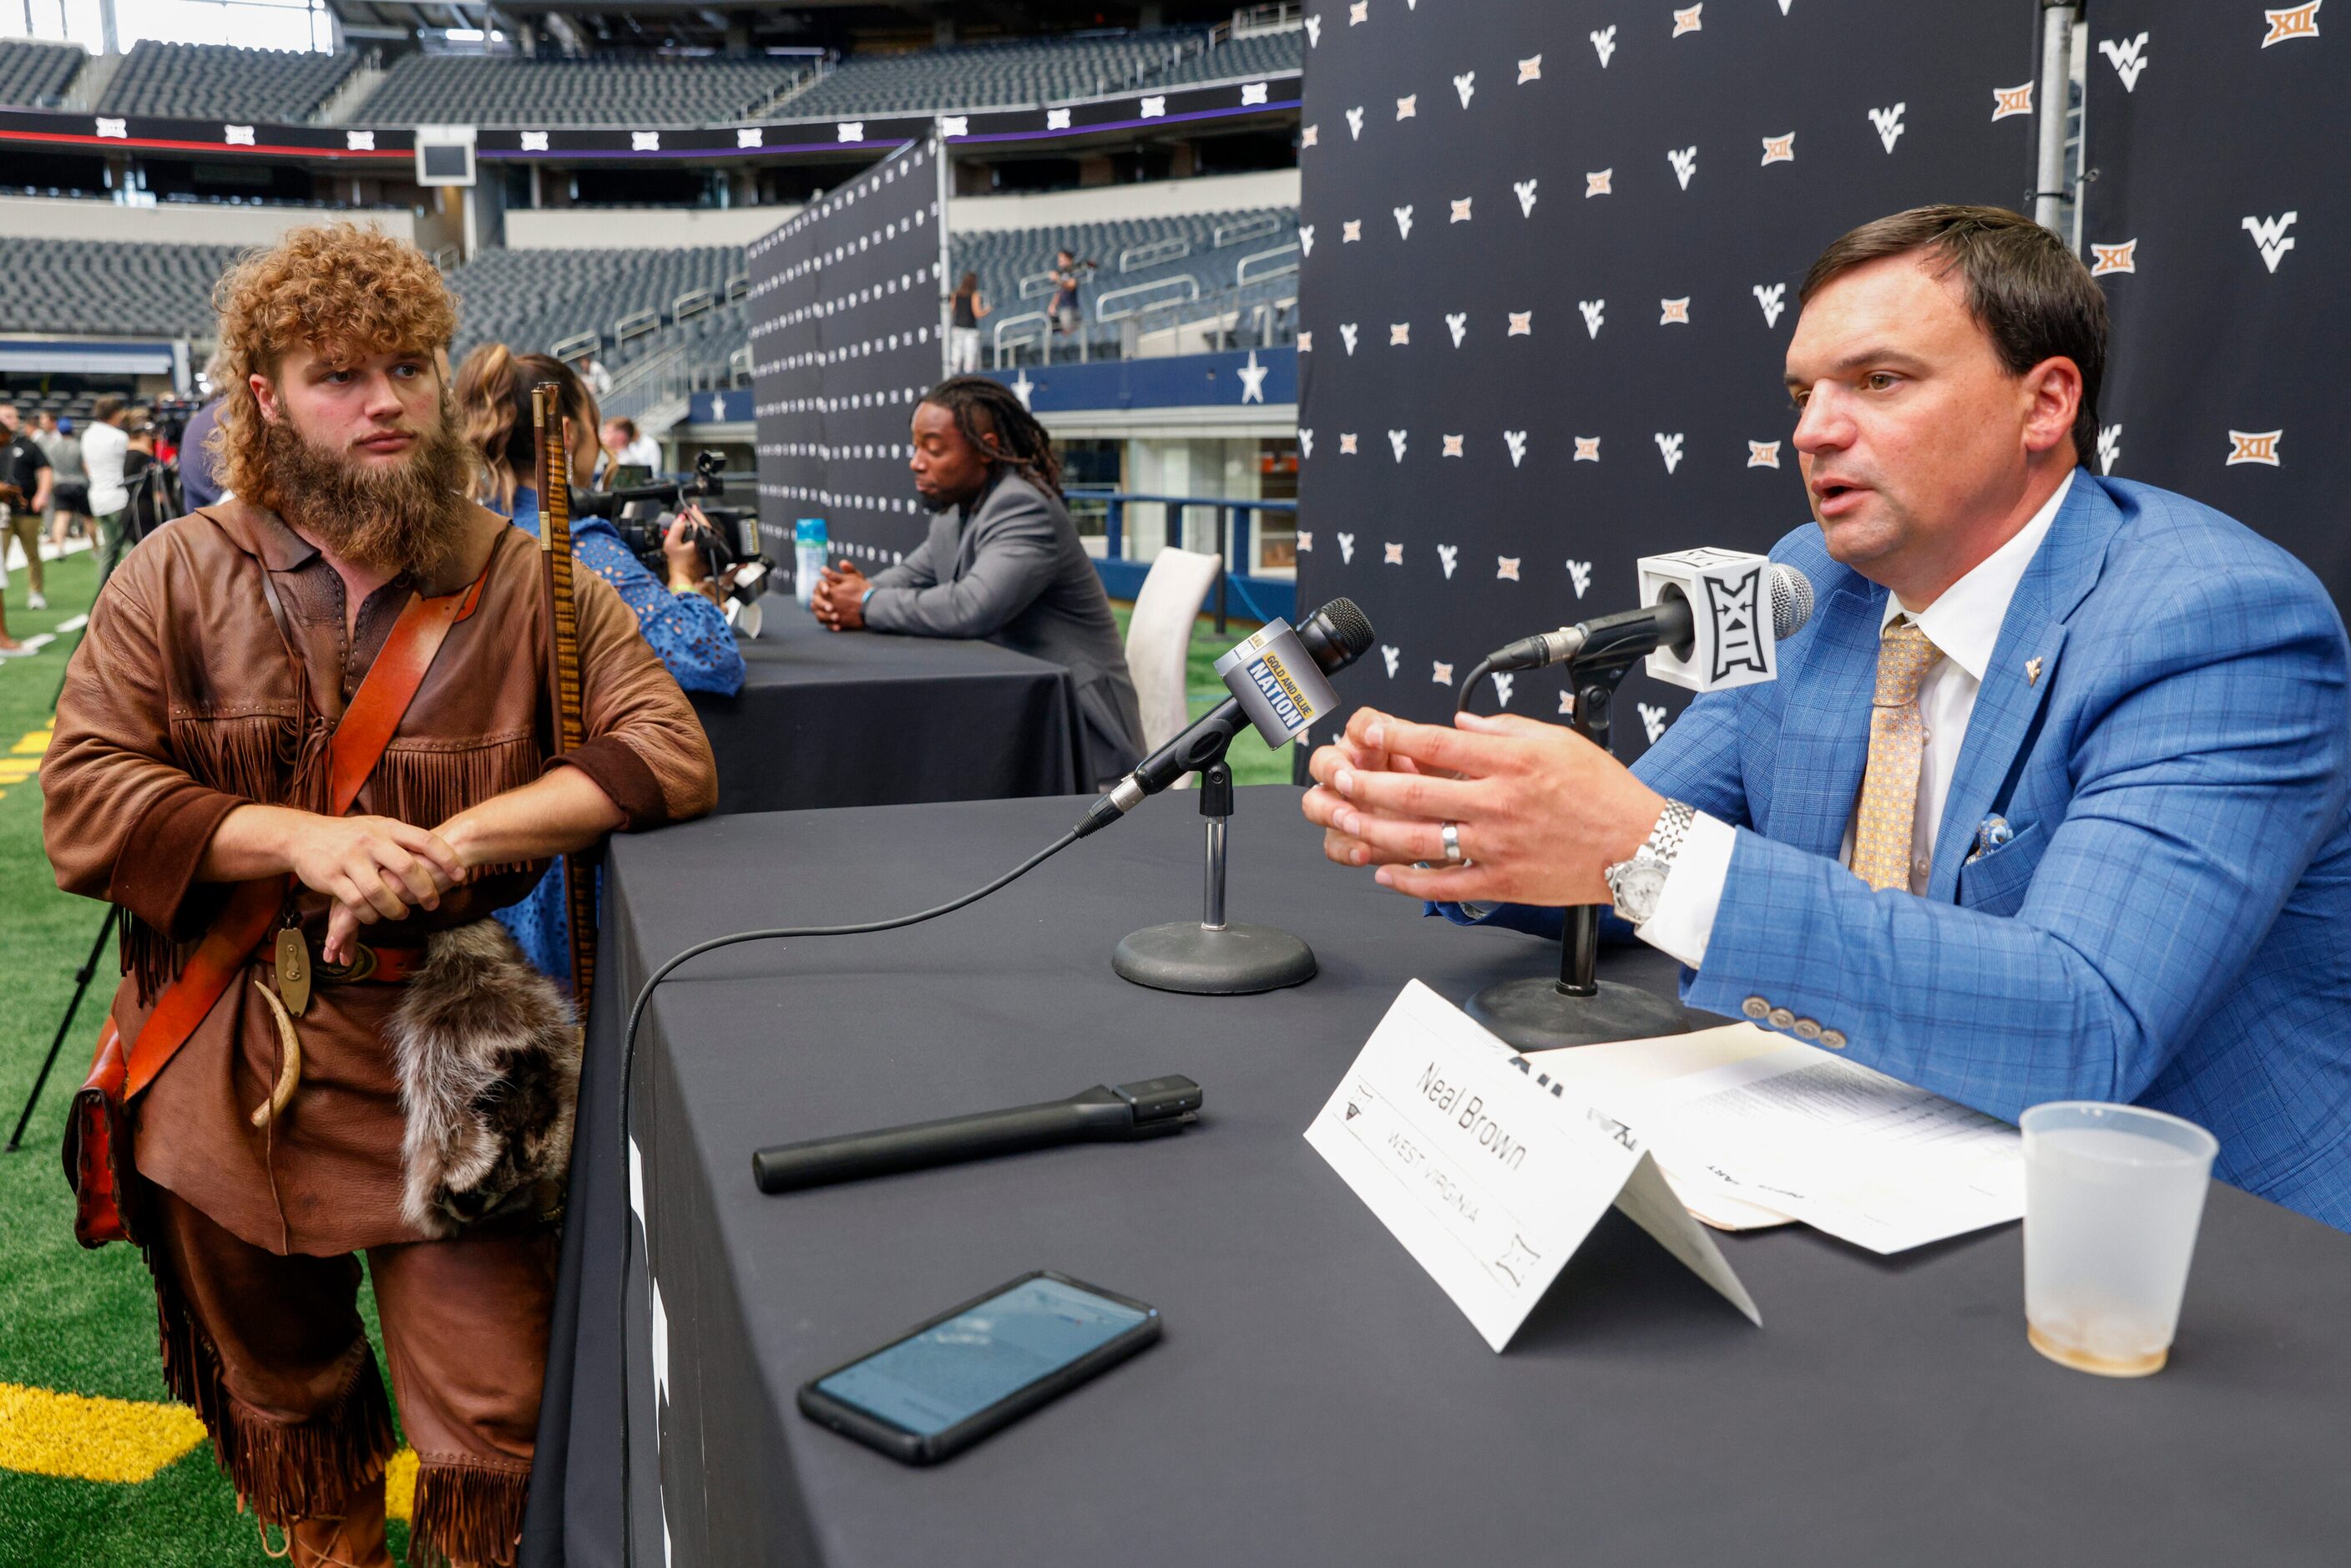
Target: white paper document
x,y
1486,1170
1843,1148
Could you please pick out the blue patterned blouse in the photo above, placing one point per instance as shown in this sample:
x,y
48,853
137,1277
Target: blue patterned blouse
x,y
692,637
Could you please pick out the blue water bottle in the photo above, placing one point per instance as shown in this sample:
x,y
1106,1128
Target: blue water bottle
x,y
808,558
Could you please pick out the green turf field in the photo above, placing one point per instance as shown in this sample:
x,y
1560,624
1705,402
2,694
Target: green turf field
x,y
83,1322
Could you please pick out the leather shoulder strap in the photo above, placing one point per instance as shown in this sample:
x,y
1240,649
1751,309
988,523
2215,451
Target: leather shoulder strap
x,y
367,727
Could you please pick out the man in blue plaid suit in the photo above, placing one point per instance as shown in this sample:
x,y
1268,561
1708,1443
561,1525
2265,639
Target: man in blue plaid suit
x,y
2049,800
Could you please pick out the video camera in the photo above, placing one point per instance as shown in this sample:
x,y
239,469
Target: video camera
x,y
643,515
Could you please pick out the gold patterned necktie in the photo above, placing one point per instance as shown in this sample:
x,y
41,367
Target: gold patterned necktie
x,y
1897,742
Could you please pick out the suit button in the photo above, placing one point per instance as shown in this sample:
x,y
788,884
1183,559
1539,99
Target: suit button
x,y
1833,1039
1807,1028
1755,1006
1781,1018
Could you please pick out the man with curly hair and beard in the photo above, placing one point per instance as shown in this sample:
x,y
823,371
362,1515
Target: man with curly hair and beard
x,y
384,1072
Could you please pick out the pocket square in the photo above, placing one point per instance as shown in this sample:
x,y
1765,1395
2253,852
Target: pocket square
x,y
1992,832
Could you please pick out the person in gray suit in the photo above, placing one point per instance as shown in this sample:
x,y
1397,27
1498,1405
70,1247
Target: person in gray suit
x,y
1003,561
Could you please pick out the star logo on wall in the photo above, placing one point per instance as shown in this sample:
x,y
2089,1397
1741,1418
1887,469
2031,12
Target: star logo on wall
x,y
1529,69
1506,568
952,125
1252,375
1687,21
1305,342
1392,554
1452,446
1400,335
2113,258
1462,210
1522,324
1253,93
2012,100
1441,673
1408,107
1306,540
1587,449
1312,136
1673,312
1351,231
1359,13
1599,182
1779,149
1057,119
1762,454
1346,443
1022,387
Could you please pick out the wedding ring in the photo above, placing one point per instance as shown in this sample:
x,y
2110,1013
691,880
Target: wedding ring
x,y
1451,834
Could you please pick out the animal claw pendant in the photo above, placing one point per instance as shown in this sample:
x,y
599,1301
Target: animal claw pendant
x,y
294,970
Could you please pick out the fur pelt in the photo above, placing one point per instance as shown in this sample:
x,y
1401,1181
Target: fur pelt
x,y
488,1058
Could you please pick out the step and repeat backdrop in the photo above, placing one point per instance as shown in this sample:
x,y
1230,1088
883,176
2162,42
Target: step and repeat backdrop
x,y
2217,203
845,307
1551,268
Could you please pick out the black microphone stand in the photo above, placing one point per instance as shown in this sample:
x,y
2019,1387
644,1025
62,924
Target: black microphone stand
x,y
1212,958
1579,1008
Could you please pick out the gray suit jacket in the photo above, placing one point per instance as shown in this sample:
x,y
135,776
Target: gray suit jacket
x,y
1010,568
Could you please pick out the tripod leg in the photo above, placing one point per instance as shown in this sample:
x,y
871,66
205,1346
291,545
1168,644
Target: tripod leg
x,y
81,988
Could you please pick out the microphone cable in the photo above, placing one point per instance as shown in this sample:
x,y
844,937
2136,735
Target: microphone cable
x,y
628,1061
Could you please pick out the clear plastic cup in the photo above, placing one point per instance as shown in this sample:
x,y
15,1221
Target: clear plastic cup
x,y
2113,1194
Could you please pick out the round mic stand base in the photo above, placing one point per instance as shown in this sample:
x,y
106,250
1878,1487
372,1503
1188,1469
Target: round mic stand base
x,y
1537,1014
1206,958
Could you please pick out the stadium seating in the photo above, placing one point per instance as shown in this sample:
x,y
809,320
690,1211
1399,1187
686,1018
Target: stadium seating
x,y
508,90
1157,255
1262,54
983,76
220,81
83,285
36,75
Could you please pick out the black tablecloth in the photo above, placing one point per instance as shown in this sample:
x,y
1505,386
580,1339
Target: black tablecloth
x,y
1316,1399
863,718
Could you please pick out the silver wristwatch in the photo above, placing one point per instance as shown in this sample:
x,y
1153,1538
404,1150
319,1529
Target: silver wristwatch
x,y
1639,883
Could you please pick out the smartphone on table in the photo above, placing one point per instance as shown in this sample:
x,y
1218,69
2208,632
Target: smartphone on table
x,y
976,1368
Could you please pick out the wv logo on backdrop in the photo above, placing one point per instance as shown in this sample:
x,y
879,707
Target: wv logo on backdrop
x,y
1516,440
1685,163
1503,682
1526,191
1466,84
1394,656
2270,235
1459,326
2128,58
1605,42
1396,440
2110,447
1669,448
1888,122
1652,721
1346,550
1593,310
1450,555
1580,573
1773,300
1404,222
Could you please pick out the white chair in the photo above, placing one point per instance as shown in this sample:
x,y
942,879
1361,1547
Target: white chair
x,y
1159,639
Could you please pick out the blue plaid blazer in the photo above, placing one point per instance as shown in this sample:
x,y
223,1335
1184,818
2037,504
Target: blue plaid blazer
x,y
2170,924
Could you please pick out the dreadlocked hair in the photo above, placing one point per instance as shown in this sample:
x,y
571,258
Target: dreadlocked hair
x,y
1019,441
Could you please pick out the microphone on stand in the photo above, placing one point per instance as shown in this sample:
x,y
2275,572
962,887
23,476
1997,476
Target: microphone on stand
x,y
1668,622
1279,678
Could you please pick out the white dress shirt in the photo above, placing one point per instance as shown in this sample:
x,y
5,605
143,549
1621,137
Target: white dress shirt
x,y
1964,623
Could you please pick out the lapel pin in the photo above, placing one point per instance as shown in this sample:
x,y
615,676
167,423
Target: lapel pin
x,y
2032,671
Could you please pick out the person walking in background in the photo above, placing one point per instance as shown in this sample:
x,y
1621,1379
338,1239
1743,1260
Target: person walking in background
x,y
967,310
103,450
680,619
628,445
68,512
25,465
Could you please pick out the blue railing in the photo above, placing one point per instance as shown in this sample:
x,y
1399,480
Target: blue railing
x,y
1263,598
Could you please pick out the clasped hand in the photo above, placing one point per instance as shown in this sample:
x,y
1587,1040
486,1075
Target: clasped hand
x,y
838,600
1540,812
374,868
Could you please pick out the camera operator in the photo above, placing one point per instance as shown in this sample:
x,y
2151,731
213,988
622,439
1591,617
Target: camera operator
x,y
683,623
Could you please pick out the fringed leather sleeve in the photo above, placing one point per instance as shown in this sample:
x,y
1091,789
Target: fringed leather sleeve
x,y
645,747
121,819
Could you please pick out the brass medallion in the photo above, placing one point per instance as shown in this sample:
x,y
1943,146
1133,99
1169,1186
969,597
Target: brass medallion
x,y
294,970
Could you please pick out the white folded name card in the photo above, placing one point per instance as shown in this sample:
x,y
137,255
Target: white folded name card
x,y
1489,1171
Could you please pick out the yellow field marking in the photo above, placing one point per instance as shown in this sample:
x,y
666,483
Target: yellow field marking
x,y
33,745
92,1439
83,1438
400,1485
